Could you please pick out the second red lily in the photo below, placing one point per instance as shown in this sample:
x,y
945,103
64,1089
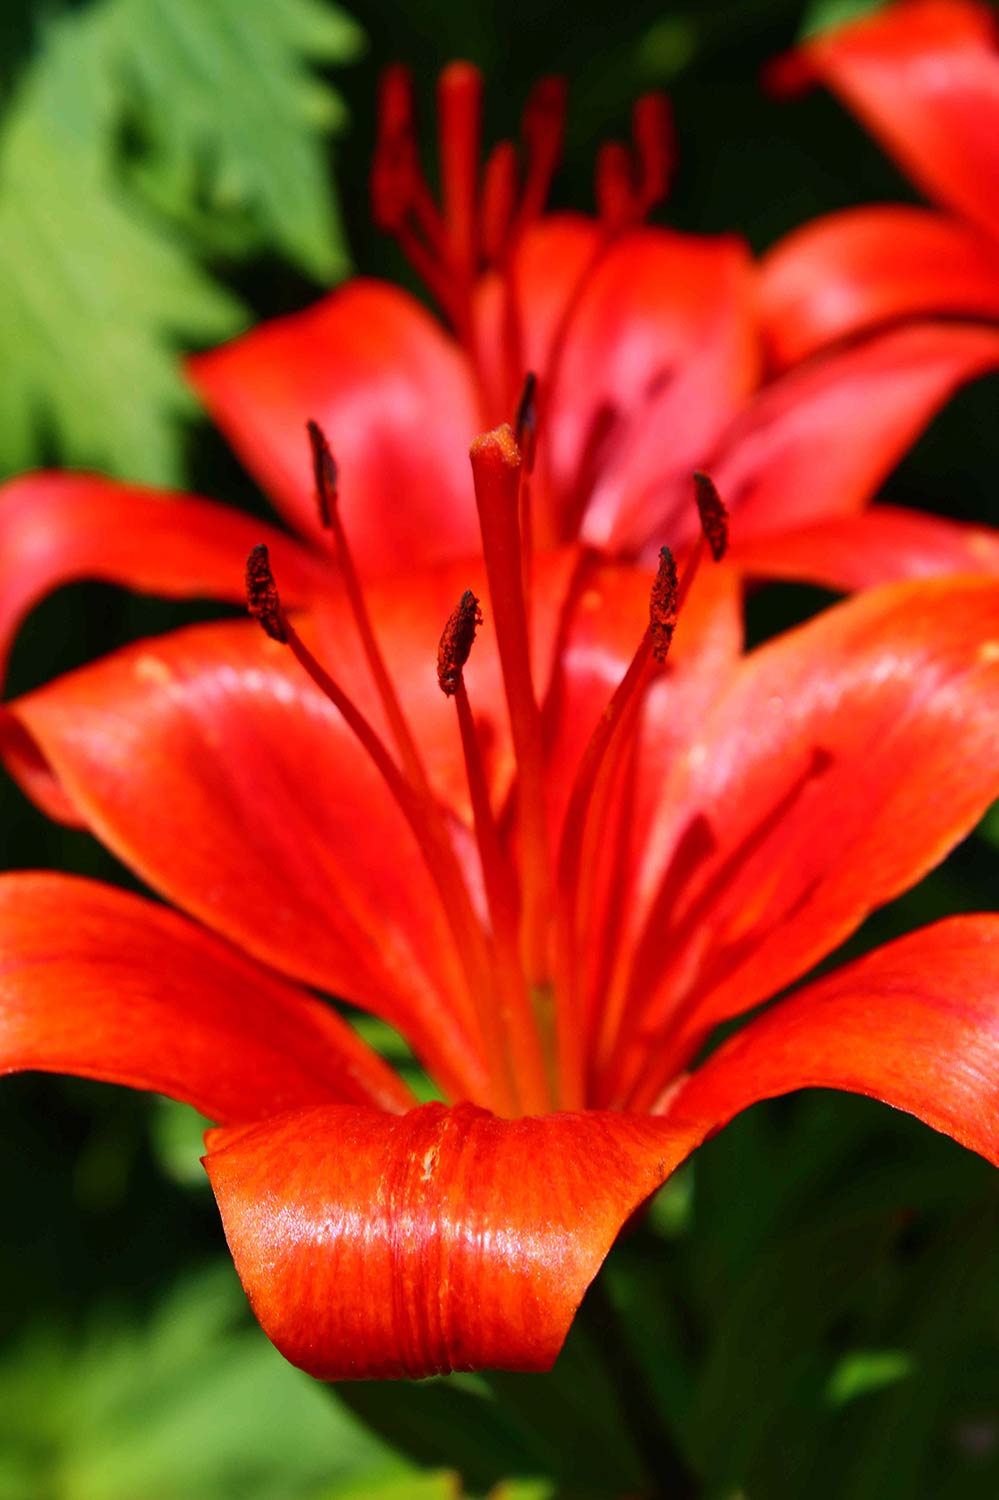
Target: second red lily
x,y
647,352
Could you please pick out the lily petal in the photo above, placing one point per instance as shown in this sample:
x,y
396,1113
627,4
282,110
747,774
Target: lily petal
x,y
661,340
880,545
850,272
444,1239
56,528
106,985
518,314
819,441
212,766
393,394
847,759
923,76
915,1024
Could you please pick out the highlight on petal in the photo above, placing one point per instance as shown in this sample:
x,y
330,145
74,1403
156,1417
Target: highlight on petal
x,y
850,272
106,985
880,545
923,76
394,395
848,757
915,1024
56,528
819,441
373,1246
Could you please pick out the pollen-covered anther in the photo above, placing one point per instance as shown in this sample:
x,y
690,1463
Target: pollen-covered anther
x,y
324,472
663,605
714,516
456,642
262,599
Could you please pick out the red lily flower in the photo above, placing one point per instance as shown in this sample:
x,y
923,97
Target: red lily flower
x,y
923,76
644,343
556,899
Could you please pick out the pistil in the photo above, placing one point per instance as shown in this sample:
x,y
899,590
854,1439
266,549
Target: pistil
x,y
496,470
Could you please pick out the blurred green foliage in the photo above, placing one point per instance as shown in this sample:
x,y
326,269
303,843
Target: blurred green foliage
x,y
142,137
814,1301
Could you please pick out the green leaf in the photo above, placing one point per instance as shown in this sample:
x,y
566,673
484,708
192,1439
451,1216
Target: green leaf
x,y
232,122
91,293
865,1370
441,1485
195,1402
99,289
823,15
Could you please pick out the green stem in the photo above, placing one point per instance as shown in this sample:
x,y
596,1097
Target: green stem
x,y
667,1469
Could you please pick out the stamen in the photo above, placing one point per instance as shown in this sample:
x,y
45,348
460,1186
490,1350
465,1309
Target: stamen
x,y
395,164
543,131
499,197
262,599
588,800
663,605
456,642
459,114
714,516
438,854
615,187
655,147
325,473
401,203
519,1041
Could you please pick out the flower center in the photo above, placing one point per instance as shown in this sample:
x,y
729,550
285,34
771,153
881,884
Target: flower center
x,y
524,988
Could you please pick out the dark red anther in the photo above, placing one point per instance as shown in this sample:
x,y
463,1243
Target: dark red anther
x,y
663,605
262,598
456,642
655,147
526,421
714,516
324,471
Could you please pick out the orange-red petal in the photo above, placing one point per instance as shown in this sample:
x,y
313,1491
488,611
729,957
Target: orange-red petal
x,y
819,441
845,761
658,353
444,1239
923,75
395,397
851,272
880,545
106,985
915,1024
56,528
209,763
